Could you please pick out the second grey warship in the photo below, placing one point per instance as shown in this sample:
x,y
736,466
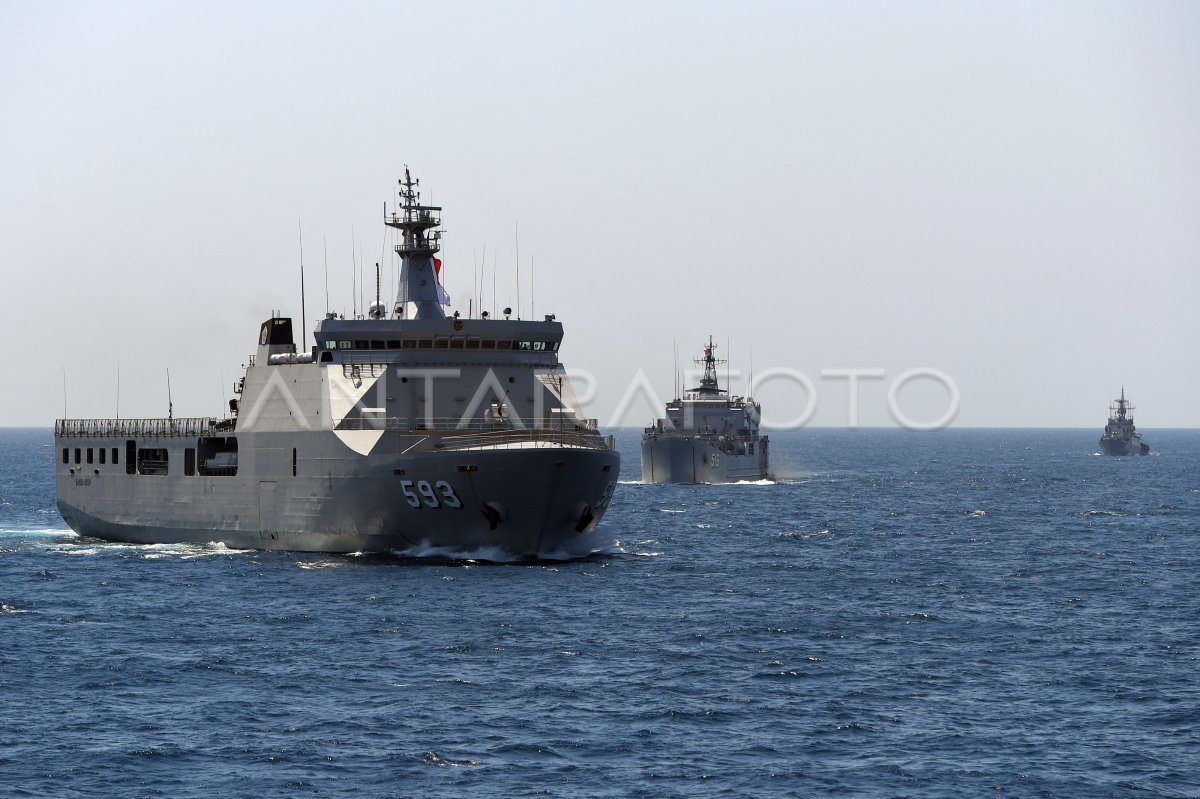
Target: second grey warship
x,y
707,436
400,429
1120,436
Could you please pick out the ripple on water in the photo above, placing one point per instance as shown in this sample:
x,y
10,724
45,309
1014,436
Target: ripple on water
x,y
854,633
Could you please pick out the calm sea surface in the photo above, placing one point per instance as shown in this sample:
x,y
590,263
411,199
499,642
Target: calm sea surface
x,y
957,614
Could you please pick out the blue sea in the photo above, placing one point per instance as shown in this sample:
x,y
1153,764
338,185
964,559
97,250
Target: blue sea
x,y
955,614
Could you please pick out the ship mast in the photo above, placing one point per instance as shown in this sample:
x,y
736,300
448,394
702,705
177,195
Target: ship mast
x,y
708,383
1120,409
418,296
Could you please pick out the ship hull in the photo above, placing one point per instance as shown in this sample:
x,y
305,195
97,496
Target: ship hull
x,y
687,459
1121,446
526,502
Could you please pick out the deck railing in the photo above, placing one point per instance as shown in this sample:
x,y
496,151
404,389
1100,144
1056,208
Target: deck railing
x,y
136,428
453,424
475,434
480,433
518,439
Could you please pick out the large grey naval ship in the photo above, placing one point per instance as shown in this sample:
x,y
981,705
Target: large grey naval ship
x,y
401,429
707,436
1120,436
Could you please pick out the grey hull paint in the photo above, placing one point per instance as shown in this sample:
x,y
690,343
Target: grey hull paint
x,y
1118,446
539,503
679,459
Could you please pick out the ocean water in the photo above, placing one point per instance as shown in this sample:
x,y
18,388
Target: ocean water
x,y
951,614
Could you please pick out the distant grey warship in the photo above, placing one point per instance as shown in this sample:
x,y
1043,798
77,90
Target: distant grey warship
x,y
707,436
1120,436
398,430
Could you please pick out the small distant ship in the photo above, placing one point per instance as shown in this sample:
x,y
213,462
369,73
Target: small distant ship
x,y
707,436
1120,436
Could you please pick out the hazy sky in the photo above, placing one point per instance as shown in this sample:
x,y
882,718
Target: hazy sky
x,y
1005,192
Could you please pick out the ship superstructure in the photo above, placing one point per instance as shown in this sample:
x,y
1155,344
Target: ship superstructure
x,y
706,436
403,429
1120,436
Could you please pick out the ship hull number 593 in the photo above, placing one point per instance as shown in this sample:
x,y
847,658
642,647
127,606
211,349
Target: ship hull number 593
x,y
420,494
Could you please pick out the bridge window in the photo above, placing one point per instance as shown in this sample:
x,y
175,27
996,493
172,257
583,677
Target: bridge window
x,y
103,452
78,456
66,455
346,345
114,458
189,462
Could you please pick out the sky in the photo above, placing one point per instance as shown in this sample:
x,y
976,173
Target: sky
x,y
1002,196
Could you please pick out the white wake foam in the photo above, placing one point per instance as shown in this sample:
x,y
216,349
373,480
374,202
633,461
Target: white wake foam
x,y
148,551
48,531
597,542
